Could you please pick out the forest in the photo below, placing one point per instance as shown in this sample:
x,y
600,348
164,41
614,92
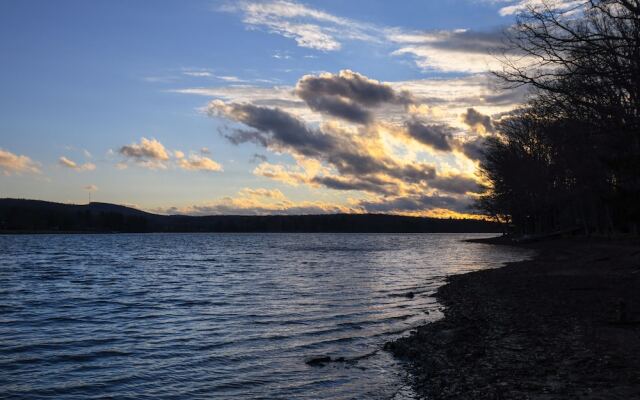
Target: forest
x,y
570,157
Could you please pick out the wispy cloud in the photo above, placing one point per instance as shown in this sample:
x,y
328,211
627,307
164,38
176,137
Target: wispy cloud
x,y
67,163
309,27
458,50
274,194
513,7
198,73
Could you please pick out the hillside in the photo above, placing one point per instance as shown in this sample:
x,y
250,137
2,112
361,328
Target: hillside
x,y
18,215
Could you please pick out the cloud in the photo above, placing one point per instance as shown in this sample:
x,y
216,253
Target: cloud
x,y
11,163
258,158
519,6
198,163
375,156
437,206
198,74
440,99
353,157
258,202
281,96
274,128
347,95
473,148
67,163
461,92
457,50
91,188
149,153
229,78
290,175
480,123
280,131
458,184
438,136
372,184
309,27
274,194
462,40
416,203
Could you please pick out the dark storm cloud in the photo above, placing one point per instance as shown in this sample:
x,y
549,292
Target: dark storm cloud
x,y
347,95
507,97
274,127
416,203
414,173
339,107
473,149
468,41
436,136
240,136
369,185
280,130
457,184
473,118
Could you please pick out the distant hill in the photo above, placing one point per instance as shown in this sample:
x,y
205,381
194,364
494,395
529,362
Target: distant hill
x,y
18,215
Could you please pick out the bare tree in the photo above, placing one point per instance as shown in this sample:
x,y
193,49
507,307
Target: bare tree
x,y
580,132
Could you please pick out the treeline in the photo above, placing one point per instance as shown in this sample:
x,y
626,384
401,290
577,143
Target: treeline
x,y
40,216
571,156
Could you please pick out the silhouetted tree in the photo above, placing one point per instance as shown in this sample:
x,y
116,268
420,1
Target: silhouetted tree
x,y
571,156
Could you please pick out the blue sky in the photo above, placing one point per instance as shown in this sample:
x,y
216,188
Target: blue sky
x,y
232,107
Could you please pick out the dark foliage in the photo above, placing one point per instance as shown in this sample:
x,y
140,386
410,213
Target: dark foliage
x,y
571,156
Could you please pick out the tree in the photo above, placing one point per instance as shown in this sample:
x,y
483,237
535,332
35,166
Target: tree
x,y
572,155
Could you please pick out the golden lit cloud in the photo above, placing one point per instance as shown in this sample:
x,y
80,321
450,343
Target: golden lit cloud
x,y
11,163
152,154
67,163
412,145
258,202
149,153
197,163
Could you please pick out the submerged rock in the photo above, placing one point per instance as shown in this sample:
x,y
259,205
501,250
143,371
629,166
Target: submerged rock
x,y
318,361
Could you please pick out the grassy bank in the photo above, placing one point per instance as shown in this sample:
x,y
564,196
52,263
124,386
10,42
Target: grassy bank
x,y
565,324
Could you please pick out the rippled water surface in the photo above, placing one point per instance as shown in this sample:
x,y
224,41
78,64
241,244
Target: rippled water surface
x,y
188,316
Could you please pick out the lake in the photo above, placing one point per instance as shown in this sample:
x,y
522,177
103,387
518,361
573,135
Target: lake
x,y
202,316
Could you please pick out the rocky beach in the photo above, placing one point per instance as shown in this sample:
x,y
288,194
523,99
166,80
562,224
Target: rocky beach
x,y
563,325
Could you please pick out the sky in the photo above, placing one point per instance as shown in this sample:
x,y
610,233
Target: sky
x,y
251,107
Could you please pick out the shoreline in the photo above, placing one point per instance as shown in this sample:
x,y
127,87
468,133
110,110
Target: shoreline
x,y
564,324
